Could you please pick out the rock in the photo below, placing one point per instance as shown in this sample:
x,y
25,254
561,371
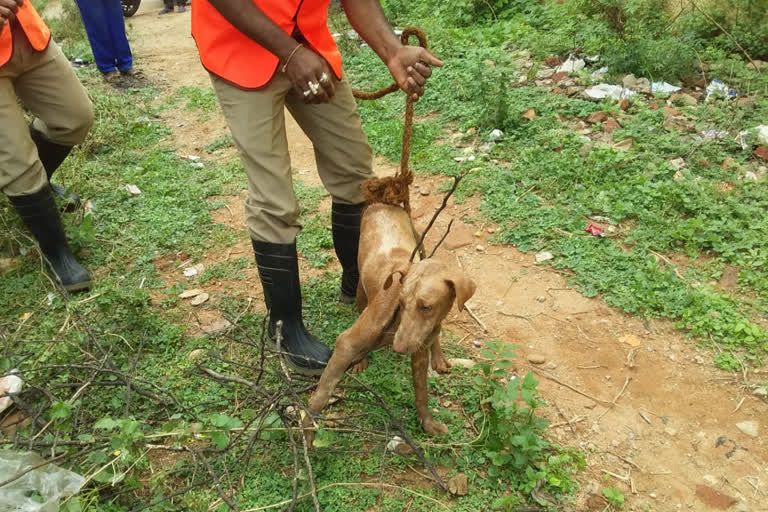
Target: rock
x,y
529,114
624,145
624,104
653,495
611,125
750,428
629,81
713,498
750,176
424,191
200,299
132,189
480,248
545,73
669,112
496,135
758,65
761,152
536,359
196,355
672,432
592,488
590,405
541,298
631,340
458,485
552,61
560,75
542,257
762,392
728,163
683,99
597,117
678,164
462,363
188,294
194,270
572,90
216,327
711,480
522,80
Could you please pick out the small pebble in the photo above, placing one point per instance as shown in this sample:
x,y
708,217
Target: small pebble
x,y
537,359
480,248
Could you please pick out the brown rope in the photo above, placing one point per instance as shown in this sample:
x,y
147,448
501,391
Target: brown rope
x,y
394,190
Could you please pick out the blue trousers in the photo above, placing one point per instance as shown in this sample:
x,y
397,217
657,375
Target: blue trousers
x,y
103,20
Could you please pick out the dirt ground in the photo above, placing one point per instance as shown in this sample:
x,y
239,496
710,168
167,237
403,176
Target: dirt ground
x,y
652,414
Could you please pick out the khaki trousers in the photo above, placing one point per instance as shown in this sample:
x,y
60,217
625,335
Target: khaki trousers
x,y
48,87
256,119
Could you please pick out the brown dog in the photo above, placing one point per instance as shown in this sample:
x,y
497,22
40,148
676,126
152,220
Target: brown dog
x,y
401,303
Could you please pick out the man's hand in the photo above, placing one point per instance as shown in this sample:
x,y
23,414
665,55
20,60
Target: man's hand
x,y
8,10
311,76
411,66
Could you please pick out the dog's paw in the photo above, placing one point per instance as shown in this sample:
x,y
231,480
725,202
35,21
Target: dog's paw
x,y
434,427
359,366
441,365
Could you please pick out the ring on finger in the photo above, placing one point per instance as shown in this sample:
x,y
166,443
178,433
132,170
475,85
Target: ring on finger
x,y
324,78
314,87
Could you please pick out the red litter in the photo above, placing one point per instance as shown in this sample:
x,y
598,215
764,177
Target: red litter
x,y
594,230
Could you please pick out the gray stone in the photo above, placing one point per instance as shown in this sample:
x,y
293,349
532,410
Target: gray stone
x,y
750,428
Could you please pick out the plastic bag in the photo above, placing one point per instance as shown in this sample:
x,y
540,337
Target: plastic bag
x,y
36,491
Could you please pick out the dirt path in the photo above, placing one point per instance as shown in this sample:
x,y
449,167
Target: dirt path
x,y
670,442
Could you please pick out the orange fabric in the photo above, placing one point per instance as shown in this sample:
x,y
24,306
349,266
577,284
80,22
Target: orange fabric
x,y
231,55
34,28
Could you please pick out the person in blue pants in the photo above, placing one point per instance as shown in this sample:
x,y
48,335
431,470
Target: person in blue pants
x,y
103,20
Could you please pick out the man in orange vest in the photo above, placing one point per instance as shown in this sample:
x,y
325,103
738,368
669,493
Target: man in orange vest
x,y
34,70
264,55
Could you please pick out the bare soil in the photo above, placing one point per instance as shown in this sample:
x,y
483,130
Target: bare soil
x,y
652,414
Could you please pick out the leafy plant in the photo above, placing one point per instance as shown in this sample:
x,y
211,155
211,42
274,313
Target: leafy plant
x,y
614,496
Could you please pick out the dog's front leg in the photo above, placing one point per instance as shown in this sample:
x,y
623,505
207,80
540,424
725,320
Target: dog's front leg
x,y
419,369
343,355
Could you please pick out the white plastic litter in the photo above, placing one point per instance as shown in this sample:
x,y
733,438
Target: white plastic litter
x,y
571,65
718,89
602,91
11,383
600,72
663,87
755,136
394,443
37,491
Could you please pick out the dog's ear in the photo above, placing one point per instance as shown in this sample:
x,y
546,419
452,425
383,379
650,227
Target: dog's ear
x,y
401,272
462,286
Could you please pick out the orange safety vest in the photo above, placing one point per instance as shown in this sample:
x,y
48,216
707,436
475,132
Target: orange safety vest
x,y
34,28
233,56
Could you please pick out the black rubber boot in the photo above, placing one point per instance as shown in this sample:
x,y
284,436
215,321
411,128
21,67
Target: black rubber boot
x,y
345,226
41,216
52,155
279,272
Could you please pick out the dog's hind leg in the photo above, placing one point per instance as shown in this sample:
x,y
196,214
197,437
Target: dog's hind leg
x,y
419,366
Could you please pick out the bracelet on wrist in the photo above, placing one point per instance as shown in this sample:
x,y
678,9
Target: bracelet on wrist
x,y
290,56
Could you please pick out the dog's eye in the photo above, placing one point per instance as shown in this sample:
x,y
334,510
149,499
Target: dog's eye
x,y
425,309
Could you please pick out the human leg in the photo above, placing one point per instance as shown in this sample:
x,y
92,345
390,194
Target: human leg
x,y
93,13
113,15
344,160
256,120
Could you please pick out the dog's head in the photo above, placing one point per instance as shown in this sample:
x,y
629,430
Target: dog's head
x,y
428,291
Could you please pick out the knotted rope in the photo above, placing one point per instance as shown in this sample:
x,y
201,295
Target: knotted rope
x,y
394,190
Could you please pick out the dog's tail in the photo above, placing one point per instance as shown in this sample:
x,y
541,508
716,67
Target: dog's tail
x,y
392,190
